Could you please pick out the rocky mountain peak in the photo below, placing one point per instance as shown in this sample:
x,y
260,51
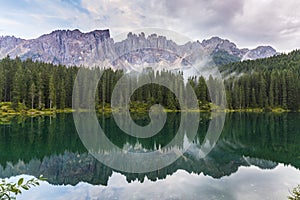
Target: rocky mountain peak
x,y
213,41
76,34
72,47
216,44
100,34
9,42
260,52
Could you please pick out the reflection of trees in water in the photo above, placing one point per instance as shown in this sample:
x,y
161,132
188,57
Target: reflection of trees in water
x,y
265,135
37,147
71,168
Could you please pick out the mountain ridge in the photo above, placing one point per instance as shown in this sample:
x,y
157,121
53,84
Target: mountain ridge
x,y
75,48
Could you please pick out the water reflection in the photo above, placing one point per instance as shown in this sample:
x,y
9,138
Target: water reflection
x,y
247,183
50,146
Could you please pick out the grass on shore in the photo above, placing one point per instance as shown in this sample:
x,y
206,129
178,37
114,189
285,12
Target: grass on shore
x,y
6,109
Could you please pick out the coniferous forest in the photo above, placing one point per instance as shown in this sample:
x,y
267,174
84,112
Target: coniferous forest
x,y
268,84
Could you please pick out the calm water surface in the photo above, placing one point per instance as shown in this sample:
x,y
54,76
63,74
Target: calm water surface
x,y
256,157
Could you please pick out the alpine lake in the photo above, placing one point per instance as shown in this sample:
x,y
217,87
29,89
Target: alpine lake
x,y
257,156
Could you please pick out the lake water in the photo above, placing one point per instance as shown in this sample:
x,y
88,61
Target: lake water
x,y
256,157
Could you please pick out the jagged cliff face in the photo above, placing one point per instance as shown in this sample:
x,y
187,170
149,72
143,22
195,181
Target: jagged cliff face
x,y
216,44
259,52
97,47
62,47
9,44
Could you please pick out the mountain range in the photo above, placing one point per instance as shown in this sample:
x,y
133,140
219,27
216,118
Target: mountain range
x,y
74,48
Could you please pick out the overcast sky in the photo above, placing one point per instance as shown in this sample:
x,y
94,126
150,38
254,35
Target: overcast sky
x,y
248,23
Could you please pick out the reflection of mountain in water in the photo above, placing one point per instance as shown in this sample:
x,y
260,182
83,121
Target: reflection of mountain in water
x,y
56,152
71,168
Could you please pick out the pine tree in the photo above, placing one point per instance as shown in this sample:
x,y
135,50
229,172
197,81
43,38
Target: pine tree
x,y
253,98
292,94
2,81
201,90
236,97
247,91
62,103
262,97
271,90
103,87
40,88
284,91
276,89
170,100
242,96
52,92
32,94
18,85
159,98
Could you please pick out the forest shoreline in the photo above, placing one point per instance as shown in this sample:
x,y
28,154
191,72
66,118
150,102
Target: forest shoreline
x,y
6,110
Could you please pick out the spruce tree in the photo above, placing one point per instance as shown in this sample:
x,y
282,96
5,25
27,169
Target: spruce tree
x,y
32,92
2,81
52,92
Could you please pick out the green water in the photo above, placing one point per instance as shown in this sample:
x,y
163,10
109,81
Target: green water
x,y
255,154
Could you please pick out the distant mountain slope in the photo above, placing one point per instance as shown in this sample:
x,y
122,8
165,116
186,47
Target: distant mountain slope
x,y
72,47
281,62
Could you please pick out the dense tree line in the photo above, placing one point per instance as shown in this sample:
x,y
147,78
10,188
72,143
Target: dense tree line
x,y
263,83
278,62
272,89
35,84
40,85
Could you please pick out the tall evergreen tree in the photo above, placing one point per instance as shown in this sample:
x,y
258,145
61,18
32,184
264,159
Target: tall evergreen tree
x,y
262,92
32,92
2,81
52,92
283,91
272,90
62,103
40,89
292,93
18,85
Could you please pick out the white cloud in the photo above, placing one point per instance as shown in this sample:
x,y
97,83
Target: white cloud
x,y
247,23
269,21
247,183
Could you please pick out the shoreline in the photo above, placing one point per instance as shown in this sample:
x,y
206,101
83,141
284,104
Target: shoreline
x,y
46,112
6,110
6,117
